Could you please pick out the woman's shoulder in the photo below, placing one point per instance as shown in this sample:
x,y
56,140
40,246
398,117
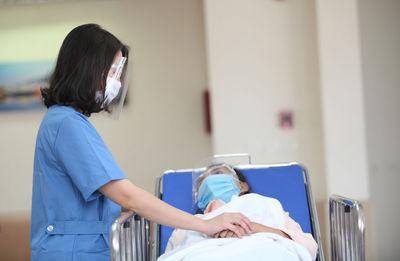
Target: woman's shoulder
x,y
61,112
58,115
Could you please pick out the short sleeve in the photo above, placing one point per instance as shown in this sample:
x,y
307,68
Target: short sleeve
x,y
84,156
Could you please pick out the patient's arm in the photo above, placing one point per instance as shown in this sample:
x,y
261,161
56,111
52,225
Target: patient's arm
x,y
257,229
293,229
261,228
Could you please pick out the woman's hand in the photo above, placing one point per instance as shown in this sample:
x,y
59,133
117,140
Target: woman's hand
x,y
237,223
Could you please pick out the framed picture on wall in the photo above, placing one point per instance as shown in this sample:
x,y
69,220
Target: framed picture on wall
x,y
20,84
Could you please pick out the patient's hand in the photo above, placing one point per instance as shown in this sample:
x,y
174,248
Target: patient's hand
x,y
228,233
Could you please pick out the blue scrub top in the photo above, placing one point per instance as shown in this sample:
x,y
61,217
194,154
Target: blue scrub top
x,y
70,219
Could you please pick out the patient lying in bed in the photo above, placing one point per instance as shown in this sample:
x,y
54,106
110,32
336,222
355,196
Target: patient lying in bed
x,y
276,236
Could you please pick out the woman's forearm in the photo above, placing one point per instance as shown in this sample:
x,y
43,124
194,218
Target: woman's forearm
x,y
158,211
131,197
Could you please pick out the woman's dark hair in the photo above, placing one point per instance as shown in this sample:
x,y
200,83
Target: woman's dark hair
x,y
83,62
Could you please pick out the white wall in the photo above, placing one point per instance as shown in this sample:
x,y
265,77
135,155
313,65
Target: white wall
x,y
380,35
163,125
342,98
262,58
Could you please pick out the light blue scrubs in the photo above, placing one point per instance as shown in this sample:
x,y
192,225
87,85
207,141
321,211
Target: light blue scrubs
x,y
70,219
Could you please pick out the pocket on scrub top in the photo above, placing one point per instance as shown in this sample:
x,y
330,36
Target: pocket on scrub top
x,y
91,243
58,242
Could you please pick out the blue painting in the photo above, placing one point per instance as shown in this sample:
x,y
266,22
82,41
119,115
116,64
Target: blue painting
x,y
20,84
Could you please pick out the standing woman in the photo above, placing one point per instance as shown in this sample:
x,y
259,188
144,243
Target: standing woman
x,y
78,188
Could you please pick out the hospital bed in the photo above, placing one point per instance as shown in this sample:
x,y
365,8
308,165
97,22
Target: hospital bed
x,y
133,238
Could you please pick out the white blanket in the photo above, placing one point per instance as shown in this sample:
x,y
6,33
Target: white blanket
x,y
259,246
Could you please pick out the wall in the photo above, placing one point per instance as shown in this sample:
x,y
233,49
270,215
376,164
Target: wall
x,y
262,59
162,127
343,106
380,35
342,98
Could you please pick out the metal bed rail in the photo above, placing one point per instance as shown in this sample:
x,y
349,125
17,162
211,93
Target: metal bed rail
x,y
130,238
347,226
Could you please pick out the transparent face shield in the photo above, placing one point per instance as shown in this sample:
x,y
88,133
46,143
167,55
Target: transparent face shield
x,y
200,174
117,87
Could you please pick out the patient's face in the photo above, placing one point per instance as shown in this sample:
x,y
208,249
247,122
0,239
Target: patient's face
x,y
243,186
219,183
